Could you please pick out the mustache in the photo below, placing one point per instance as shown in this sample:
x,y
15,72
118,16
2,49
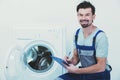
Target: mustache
x,y
84,20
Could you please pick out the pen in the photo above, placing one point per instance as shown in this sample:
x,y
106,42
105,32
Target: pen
x,y
68,57
69,54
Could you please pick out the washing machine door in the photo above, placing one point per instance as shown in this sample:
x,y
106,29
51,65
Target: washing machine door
x,y
37,57
14,64
34,62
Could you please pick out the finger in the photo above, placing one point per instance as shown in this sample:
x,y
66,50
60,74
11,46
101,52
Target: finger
x,y
66,57
65,65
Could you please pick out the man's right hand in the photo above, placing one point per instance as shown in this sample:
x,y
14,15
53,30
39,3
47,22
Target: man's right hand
x,y
67,59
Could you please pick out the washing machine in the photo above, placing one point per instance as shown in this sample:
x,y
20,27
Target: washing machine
x,y
29,57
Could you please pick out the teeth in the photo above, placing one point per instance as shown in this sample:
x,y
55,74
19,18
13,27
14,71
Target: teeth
x,y
84,22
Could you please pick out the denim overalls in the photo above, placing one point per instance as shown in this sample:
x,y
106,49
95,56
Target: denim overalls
x,y
87,56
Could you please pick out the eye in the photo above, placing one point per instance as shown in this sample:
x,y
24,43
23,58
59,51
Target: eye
x,y
88,14
79,14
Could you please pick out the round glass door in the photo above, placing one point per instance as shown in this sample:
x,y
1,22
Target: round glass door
x,y
37,57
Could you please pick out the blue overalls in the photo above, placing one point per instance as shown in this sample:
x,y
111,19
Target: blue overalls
x,y
87,53
87,56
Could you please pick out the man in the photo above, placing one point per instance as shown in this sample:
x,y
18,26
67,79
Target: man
x,y
91,49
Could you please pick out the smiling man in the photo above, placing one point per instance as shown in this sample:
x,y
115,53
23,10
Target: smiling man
x,y
90,48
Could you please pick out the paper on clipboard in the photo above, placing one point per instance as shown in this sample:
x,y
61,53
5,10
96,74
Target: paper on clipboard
x,y
60,61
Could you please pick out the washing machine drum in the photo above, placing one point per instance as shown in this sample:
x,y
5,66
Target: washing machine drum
x,y
38,58
35,58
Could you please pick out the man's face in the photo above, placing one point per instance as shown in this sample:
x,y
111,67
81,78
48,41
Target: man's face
x,y
85,17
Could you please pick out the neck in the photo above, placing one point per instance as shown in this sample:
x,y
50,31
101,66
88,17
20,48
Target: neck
x,y
87,31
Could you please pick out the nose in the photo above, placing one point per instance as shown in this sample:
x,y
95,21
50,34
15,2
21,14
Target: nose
x,y
83,17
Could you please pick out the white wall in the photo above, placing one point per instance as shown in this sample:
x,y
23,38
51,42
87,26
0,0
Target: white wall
x,y
61,13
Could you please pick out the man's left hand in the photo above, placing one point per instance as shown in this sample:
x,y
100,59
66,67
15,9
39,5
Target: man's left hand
x,y
71,68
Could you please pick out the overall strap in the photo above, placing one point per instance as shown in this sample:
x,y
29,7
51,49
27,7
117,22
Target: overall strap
x,y
93,44
76,37
94,38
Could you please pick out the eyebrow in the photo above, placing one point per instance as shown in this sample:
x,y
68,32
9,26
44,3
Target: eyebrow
x,y
88,13
82,14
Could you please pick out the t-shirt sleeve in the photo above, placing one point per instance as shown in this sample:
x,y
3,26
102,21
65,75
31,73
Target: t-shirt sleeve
x,y
101,45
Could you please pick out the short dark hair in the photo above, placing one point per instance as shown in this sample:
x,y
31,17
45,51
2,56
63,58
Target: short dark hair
x,y
86,4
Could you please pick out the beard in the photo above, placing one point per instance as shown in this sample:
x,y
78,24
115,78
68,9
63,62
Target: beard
x,y
85,23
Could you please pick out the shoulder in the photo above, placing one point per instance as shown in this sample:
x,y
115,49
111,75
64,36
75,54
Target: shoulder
x,y
101,34
78,30
101,37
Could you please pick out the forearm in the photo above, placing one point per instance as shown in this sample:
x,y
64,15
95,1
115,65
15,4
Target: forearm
x,y
92,69
75,58
99,67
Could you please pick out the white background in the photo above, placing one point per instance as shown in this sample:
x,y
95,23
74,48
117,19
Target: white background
x,y
61,13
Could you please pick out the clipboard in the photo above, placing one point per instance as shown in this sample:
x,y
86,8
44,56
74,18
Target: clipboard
x,y
60,61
